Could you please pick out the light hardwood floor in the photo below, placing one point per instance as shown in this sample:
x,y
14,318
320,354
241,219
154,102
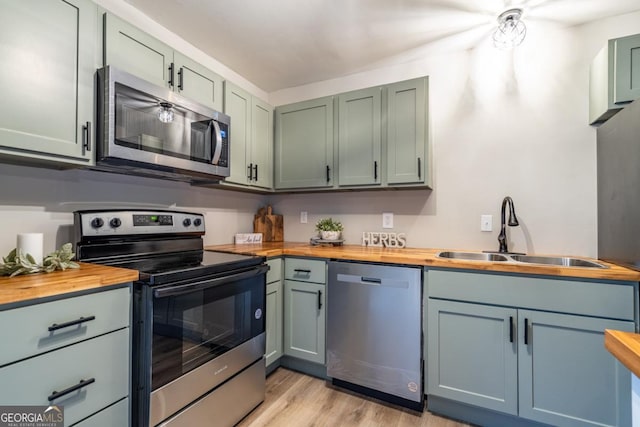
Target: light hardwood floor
x,y
298,400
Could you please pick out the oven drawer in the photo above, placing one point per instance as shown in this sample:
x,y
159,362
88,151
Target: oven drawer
x,y
104,359
29,333
305,270
275,270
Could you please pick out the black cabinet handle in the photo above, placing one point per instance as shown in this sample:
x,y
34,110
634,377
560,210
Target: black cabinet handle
x,y
181,79
375,170
57,326
419,168
83,383
171,74
86,136
370,279
328,172
319,300
255,170
250,169
301,270
526,331
510,328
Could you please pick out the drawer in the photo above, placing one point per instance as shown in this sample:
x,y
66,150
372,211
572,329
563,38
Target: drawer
x,y
305,270
29,333
105,359
613,300
275,270
114,415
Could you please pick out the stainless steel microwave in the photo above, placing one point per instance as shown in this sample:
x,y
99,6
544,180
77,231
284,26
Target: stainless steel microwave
x,y
148,130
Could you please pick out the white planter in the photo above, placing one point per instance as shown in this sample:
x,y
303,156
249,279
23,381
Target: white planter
x,y
330,235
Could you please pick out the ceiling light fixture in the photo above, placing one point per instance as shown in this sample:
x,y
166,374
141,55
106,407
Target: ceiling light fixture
x,y
511,30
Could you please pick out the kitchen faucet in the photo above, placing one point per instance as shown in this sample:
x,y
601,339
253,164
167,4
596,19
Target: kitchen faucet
x,y
513,222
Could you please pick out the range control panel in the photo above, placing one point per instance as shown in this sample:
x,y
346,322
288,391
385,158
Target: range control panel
x,y
125,222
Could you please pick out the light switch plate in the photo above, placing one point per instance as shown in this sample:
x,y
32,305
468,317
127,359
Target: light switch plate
x,y
486,222
303,217
387,220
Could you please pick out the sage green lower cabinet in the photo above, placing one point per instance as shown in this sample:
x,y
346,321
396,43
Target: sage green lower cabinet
x,y
530,347
48,50
274,312
473,355
304,320
82,342
566,376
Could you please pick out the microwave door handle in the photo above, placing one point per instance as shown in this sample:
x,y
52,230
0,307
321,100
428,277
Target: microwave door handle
x,y
171,291
218,149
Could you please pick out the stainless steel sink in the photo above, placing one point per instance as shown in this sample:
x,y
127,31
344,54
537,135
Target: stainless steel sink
x,y
472,256
563,261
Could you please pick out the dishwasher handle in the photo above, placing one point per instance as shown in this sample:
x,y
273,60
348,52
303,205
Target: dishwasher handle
x,y
373,280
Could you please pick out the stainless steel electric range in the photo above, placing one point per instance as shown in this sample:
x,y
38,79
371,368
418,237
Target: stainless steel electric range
x,y
198,317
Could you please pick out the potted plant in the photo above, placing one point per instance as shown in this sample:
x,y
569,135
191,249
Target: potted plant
x,y
329,229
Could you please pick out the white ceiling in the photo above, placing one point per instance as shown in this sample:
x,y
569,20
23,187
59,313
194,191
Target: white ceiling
x,y
285,43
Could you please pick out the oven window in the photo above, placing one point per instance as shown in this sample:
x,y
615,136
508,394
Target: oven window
x,y
193,328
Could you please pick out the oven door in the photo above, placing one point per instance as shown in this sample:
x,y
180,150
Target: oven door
x,y
204,332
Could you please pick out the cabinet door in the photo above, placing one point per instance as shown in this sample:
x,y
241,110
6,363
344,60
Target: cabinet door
x,y
304,320
304,144
274,322
196,82
567,377
237,105
136,52
359,137
472,354
627,66
407,134
46,78
262,143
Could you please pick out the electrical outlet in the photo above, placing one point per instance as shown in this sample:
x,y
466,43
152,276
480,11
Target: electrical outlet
x,y
387,220
303,217
486,222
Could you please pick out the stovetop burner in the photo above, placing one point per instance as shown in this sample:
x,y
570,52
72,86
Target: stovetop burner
x,y
164,246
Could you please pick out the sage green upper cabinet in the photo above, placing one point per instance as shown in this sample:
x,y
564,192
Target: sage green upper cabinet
x,y
407,132
359,137
304,145
48,50
614,78
251,138
134,51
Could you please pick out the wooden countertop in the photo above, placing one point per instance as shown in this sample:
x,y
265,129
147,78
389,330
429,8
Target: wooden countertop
x,y
424,257
625,346
42,285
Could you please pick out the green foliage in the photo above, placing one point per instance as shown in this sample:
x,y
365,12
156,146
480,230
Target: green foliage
x,y
17,262
328,224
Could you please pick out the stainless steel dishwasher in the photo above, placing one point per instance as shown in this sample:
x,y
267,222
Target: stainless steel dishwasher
x,y
374,331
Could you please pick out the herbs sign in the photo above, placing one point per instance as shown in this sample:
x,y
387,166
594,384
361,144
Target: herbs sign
x,y
384,240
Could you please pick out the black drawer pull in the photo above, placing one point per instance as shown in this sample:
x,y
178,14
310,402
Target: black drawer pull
x,y
328,172
83,383
319,300
57,326
255,169
526,331
419,168
250,169
301,270
375,170
371,279
171,74
86,144
510,328
181,79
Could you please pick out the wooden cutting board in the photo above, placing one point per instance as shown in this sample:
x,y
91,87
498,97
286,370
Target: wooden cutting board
x,y
271,226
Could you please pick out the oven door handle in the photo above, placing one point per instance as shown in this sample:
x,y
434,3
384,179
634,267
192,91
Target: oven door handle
x,y
171,291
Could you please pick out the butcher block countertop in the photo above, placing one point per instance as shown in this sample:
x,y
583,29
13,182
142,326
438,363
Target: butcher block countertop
x,y
34,287
423,257
625,346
